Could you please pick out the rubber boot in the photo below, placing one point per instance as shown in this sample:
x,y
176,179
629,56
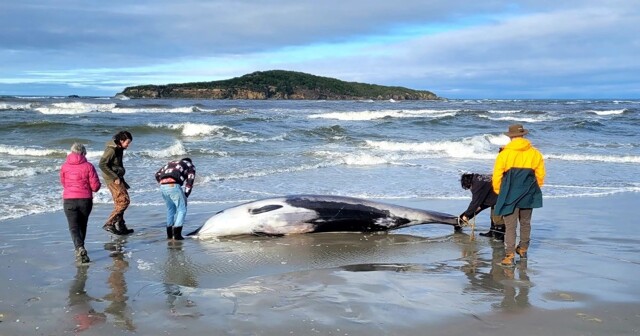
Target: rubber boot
x,y
169,232
123,229
509,260
177,233
498,232
522,251
490,233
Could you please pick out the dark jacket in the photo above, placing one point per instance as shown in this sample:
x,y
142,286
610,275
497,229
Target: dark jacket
x,y
519,189
482,195
180,172
111,163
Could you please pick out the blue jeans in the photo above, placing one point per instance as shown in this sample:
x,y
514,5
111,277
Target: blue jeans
x,y
176,204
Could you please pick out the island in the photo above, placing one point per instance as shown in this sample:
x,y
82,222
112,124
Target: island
x,y
278,84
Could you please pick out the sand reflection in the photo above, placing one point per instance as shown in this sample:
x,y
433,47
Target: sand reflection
x,y
118,296
80,306
179,273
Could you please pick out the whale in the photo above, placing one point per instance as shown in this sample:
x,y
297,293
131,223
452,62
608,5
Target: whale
x,y
295,214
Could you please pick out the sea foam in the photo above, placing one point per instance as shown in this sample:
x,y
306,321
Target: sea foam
x,y
26,151
373,115
26,172
16,106
519,118
193,129
598,158
174,150
607,112
477,147
74,108
185,109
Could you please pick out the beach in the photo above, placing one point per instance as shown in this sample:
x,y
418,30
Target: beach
x,y
580,277
308,126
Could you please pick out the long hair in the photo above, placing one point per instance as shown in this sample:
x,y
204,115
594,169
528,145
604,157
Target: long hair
x,y
466,180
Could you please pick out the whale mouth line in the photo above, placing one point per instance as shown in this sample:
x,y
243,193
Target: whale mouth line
x,y
265,208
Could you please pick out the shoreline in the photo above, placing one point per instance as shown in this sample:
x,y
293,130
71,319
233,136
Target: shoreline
x,y
579,280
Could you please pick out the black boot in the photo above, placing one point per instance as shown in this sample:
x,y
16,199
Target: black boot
x,y
123,229
498,234
177,233
111,228
490,233
169,232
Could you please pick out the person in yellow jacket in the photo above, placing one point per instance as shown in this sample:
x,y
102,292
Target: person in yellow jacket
x,y
518,174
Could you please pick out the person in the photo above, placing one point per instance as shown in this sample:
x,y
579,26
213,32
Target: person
x,y
482,197
518,174
113,172
171,178
79,181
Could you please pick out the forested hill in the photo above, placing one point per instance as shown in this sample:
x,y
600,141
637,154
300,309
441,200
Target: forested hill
x,y
278,84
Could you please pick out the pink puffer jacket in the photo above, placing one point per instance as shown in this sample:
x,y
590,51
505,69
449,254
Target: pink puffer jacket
x,y
78,177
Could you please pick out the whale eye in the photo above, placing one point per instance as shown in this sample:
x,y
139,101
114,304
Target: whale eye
x,y
264,209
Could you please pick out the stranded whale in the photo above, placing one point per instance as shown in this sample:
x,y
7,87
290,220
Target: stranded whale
x,y
316,213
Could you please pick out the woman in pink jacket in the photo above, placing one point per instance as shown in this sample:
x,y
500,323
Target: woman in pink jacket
x,y
79,181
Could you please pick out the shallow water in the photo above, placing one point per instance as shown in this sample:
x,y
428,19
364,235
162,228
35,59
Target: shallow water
x,y
583,260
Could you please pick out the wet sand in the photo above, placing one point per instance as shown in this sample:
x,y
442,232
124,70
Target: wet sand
x,y
580,279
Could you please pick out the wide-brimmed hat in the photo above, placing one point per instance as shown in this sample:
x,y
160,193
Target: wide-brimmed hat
x,y
516,130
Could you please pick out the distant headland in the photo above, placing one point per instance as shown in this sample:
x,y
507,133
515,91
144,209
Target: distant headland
x,y
278,84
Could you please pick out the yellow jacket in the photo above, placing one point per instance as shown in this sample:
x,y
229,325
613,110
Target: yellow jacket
x,y
519,153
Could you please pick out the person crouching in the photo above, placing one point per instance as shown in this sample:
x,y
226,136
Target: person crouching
x,y
482,197
172,177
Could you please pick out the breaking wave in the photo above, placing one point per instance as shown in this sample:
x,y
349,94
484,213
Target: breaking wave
x,y
74,108
174,150
27,151
374,115
598,158
192,129
607,112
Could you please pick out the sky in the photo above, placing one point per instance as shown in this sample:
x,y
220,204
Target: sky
x,y
528,49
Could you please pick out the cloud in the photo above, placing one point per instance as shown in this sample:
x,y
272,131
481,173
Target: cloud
x,y
461,48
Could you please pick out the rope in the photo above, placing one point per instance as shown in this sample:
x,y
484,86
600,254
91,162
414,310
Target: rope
x,y
472,237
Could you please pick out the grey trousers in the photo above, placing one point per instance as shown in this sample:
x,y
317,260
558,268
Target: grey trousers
x,y
511,223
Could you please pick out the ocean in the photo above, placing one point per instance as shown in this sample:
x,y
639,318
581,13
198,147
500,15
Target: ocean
x,y
245,150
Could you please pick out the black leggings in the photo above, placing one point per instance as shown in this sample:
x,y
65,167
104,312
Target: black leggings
x,y
77,211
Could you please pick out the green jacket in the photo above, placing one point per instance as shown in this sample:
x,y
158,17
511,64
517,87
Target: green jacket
x,y
519,189
111,163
